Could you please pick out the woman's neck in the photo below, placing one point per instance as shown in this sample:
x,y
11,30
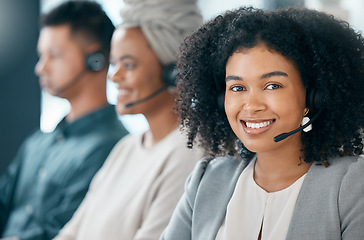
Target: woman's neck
x,y
279,169
162,123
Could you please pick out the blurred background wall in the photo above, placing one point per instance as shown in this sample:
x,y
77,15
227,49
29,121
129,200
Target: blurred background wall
x,y
19,90
24,107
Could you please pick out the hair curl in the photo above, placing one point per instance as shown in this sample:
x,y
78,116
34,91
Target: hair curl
x,y
328,54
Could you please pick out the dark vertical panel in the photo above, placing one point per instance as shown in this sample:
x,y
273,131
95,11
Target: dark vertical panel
x,y
19,88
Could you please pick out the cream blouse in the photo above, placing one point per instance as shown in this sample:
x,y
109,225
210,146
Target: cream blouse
x,y
251,209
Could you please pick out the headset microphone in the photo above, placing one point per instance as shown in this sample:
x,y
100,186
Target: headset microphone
x,y
128,105
283,136
169,74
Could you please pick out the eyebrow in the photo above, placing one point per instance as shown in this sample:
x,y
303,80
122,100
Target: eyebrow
x,y
275,73
230,78
122,58
265,75
127,57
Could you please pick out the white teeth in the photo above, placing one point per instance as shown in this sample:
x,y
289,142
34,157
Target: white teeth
x,y
123,91
257,125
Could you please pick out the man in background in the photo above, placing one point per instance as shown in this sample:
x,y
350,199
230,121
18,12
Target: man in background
x,y
135,192
51,173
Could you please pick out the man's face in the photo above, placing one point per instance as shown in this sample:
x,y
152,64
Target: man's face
x,y
61,59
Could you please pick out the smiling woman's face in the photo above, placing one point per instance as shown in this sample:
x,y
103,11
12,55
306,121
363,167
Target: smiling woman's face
x,y
137,72
264,97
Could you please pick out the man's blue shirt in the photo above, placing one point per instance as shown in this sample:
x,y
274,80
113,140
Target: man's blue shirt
x,y
51,173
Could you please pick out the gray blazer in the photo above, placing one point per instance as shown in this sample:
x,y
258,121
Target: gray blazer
x,y
330,204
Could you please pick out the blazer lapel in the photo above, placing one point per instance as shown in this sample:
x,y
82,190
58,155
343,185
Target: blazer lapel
x,y
216,188
316,212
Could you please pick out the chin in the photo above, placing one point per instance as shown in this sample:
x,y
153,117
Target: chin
x,y
259,145
121,109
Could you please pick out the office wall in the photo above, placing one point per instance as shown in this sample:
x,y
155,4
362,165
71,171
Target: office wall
x,y
19,88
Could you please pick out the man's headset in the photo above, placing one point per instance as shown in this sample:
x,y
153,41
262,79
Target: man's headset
x,y
169,74
315,102
94,62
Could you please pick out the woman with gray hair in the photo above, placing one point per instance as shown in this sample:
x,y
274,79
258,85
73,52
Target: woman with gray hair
x,y
137,189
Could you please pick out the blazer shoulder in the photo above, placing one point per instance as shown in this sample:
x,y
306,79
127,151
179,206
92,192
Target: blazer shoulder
x,y
352,180
327,197
339,168
351,201
216,173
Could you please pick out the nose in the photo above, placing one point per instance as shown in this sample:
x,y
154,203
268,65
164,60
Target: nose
x,y
40,66
115,73
254,103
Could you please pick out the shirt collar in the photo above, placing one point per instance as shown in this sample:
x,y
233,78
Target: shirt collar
x,y
87,122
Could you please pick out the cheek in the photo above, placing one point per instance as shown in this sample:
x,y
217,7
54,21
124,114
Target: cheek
x,y
288,111
142,83
232,110
151,82
146,84
68,66
134,80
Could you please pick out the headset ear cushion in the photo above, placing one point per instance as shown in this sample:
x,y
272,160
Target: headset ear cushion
x,y
319,100
169,74
95,61
315,99
221,102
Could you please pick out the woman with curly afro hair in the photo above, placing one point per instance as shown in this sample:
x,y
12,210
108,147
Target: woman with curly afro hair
x,y
248,79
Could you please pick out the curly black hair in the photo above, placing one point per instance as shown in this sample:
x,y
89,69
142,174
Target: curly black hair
x,y
327,52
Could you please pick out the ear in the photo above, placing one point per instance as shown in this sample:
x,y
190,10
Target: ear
x,y
93,47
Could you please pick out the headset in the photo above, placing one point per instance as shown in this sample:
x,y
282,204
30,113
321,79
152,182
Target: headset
x,y
315,102
169,75
94,62
219,95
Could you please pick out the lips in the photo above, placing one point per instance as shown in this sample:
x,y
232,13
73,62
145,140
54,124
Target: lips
x,y
44,84
123,94
255,127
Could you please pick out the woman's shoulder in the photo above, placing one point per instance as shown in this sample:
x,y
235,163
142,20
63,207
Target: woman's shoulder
x,y
338,177
347,161
206,168
342,165
351,169
338,169
225,165
220,173
350,196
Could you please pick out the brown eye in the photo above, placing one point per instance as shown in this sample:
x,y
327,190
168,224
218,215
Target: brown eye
x,y
129,66
237,88
273,86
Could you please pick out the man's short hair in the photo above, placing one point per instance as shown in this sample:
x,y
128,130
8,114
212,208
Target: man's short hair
x,y
86,18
